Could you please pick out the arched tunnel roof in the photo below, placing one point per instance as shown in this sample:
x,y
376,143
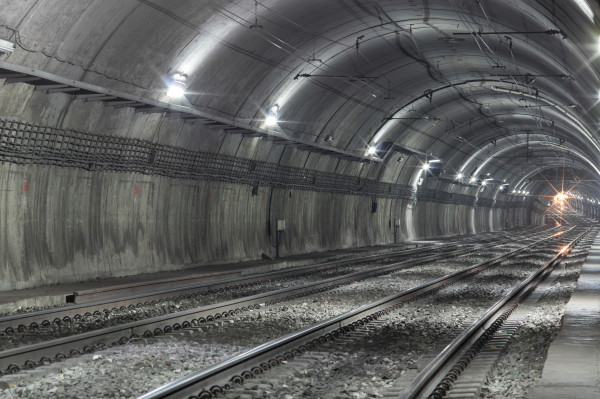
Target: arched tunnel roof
x,y
501,88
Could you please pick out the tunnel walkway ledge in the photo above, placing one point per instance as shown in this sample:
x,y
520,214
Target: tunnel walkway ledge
x,y
56,295
572,367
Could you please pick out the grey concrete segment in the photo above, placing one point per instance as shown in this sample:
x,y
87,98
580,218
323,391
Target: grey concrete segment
x,y
73,225
572,368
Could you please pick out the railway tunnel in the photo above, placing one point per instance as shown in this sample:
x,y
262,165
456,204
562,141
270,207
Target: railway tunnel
x,y
151,139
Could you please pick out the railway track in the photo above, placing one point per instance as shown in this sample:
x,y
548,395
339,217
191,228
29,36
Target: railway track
x,y
62,315
66,314
488,334
225,376
30,356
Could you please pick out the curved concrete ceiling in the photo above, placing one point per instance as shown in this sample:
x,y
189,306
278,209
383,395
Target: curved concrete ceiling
x,y
464,81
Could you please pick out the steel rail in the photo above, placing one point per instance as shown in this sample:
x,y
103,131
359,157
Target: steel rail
x,y
436,370
13,359
205,383
23,321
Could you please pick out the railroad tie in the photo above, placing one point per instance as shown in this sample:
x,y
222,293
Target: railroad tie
x,y
471,382
266,383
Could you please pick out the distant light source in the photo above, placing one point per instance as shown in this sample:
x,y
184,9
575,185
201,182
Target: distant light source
x,y
426,166
372,150
483,183
473,179
459,176
272,115
177,86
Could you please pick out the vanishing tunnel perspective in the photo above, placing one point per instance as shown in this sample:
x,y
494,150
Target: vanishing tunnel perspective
x,y
282,199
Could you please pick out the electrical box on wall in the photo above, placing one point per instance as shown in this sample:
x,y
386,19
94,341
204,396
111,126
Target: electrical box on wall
x,y
280,224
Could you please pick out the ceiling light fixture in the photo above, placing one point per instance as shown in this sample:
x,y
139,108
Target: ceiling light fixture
x,y
372,150
177,86
272,115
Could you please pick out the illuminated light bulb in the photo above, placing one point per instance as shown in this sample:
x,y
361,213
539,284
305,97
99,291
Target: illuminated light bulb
x,y
176,90
272,116
426,166
271,120
459,176
177,86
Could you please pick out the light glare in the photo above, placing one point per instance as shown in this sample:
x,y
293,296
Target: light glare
x,y
272,116
271,120
560,197
585,7
176,90
177,86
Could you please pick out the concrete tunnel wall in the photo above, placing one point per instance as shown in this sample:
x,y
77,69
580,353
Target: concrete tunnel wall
x,y
63,224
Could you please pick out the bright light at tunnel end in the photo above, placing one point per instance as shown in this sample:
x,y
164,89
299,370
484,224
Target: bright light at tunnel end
x,y
561,197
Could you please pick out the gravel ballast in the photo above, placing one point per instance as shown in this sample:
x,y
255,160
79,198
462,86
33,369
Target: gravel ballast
x,y
386,360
